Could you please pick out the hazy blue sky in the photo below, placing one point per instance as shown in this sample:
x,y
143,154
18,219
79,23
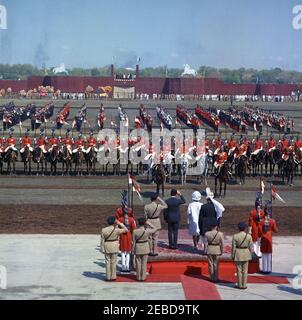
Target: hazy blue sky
x,y
220,33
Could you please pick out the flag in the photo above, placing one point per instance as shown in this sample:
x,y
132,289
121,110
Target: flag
x,y
262,186
124,201
135,185
275,195
269,123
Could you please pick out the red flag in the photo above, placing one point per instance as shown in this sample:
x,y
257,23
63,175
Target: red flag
x,y
135,185
275,195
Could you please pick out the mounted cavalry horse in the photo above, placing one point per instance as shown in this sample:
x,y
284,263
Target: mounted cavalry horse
x,y
288,165
40,158
53,157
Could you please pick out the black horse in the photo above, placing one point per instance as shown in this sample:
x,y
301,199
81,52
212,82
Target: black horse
x,y
289,169
240,169
27,158
272,159
91,159
223,177
53,157
41,160
257,162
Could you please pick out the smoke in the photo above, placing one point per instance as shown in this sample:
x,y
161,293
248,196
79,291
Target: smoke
x,y
125,58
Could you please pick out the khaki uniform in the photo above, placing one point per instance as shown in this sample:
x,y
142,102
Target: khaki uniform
x,y
141,249
152,214
110,247
242,248
213,248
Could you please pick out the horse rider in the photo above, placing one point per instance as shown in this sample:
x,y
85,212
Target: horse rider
x,y
79,143
2,143
67,141
26,142
53,141
11,142
232,144
287,151
92,142
298,144
242,149
222,158
217,144
41,142
258,146
271,144
138,123
284,143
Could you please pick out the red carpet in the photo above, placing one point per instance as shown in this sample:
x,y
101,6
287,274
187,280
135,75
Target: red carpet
x,y
199,289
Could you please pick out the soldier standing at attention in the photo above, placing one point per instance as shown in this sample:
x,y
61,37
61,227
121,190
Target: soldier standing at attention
x,y
242,249
213,249
141,247
153,211
110,245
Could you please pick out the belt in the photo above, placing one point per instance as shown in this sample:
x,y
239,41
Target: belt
x,y
153,218
111,240
241,247
142,241
214,244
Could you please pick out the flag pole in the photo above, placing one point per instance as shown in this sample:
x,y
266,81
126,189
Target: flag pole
x,y
271,200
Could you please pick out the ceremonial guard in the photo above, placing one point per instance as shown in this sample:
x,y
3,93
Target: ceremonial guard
x,y
268,226
141,247
153,212
67,141
222,158
242,249
41,142
213,248
298,144
110,245
125,216
272,144
232,144
255,218
217,144
11,142
53,141
284,144
79,143
2,143
26,142
258,146
92,142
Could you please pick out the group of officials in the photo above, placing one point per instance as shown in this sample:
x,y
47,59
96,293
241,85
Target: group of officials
x,y
140,241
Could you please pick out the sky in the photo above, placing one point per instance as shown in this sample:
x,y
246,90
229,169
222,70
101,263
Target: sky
x,y
219,33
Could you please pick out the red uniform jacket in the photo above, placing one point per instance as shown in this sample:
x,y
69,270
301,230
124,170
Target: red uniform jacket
x,y
26,141
67,141
11,141
284,144
267,235
53,141
258,144
254,222
217,143
298,144
41,142
232,144
271,143
126,238
79,143
91,142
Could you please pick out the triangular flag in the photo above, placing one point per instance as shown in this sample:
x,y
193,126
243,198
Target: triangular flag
x,y
275,195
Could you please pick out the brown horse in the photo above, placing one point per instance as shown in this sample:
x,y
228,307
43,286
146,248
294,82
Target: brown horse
x,y
66,161
40,159
11,158
91,159
27,159
298,161
79,160
53,157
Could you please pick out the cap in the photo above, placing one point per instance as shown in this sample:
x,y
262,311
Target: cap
x,y
153,196
242,226
196,196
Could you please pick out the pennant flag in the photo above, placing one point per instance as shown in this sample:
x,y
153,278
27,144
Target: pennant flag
x,y
135,185
188,121
262,186
275,195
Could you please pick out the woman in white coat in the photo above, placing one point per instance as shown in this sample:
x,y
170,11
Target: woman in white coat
x,y
193,216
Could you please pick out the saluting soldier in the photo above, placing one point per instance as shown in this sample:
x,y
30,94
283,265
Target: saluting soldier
x,y
213,249
153,211
141,247
110,245
242,249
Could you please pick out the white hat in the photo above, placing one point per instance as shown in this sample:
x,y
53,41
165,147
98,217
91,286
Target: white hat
x,y
196,196
209,193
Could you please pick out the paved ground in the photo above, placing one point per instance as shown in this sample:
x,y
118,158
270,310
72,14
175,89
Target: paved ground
x,y
71,267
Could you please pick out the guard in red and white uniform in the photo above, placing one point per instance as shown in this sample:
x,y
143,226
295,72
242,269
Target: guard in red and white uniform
x,y
92,142
10,142
267,227
271,144
53,141
284,144
255,218
138,123
258,146
2,143
68,142
79,144
298,144
41,142
217,145
222,158
26,142
232,144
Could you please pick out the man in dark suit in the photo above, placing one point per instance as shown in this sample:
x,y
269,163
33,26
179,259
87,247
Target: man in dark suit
x,y
172,216
208,216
